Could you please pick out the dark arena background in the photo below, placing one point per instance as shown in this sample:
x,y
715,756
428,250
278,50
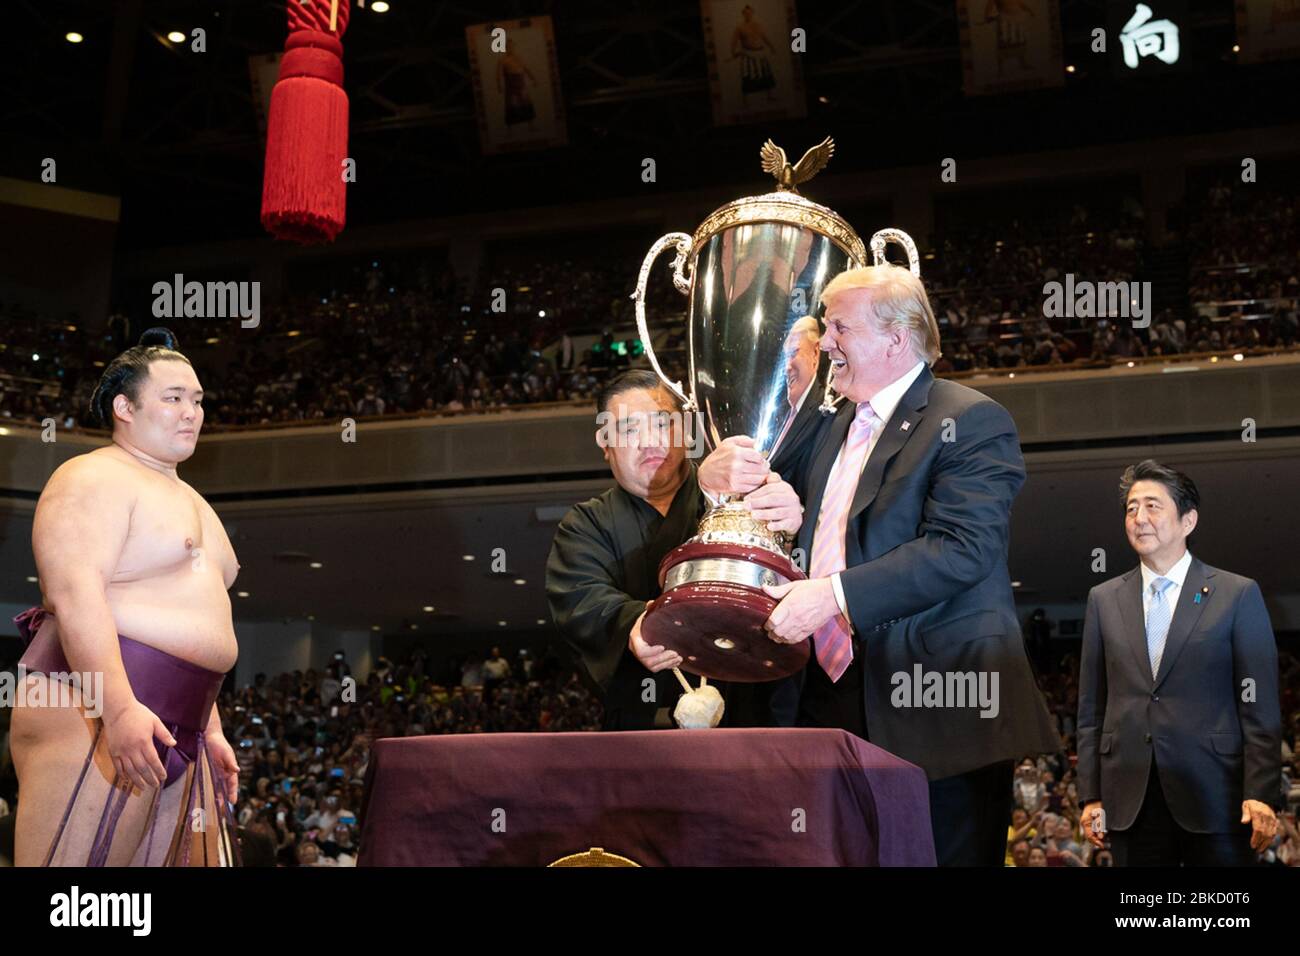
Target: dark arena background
x,y
400,254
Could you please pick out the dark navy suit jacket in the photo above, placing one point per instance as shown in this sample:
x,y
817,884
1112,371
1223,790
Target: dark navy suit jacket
x,y
926,580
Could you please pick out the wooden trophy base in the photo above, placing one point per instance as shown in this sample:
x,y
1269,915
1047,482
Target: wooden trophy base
x,y
713,609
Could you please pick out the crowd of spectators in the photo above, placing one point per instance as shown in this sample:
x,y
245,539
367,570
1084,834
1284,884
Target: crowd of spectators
x,y
369,351
987,290
303,739
393,341
1245,246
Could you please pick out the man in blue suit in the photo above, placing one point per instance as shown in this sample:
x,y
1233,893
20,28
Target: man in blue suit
x,y
916,644
1180,728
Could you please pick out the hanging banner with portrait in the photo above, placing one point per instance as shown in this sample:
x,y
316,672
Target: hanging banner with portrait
x,y
1009,45
755,72
516,81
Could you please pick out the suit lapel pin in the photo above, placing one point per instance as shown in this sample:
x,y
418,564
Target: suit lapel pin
x,y
905,426
1204,593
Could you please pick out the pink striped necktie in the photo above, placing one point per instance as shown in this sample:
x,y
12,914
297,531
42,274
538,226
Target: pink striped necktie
x,y
831,641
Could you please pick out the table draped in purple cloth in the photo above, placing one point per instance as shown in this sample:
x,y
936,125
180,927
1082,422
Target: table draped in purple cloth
x,y
738,797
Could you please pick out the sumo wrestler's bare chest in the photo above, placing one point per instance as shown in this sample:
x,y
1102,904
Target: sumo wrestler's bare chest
x,y
166,532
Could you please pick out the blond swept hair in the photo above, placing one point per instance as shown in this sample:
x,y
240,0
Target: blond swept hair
x,y
897,301
806,329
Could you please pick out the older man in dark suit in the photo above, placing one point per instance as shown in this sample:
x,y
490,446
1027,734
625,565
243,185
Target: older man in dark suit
x,y
908,491
1180,728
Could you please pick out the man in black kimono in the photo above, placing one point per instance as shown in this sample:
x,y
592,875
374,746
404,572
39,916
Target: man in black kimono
x,y
604,562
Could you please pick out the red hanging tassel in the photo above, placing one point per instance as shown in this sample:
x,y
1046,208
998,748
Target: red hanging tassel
x,y
304,197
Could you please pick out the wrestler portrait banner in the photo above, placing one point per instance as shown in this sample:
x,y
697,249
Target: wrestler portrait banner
x,y
1268,30
754,74
1009,45
516,79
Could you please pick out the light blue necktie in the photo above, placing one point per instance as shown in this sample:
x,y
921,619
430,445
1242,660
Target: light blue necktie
x,y
1159,615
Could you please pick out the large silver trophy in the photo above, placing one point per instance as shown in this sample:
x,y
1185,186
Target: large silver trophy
x,y
754,272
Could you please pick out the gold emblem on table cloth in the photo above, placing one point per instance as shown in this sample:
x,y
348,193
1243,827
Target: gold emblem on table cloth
x,y
596,856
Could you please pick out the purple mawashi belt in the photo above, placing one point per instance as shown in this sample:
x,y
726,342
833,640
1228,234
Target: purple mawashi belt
x,y
179,692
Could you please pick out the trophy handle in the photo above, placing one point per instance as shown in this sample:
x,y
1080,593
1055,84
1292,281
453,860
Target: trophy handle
x,y
682,242
829,398
903,239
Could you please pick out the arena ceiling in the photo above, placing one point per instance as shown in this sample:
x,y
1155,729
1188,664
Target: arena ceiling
x,y
178,136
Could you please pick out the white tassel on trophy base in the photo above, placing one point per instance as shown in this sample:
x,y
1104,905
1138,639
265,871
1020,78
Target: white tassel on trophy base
x,y
700,707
